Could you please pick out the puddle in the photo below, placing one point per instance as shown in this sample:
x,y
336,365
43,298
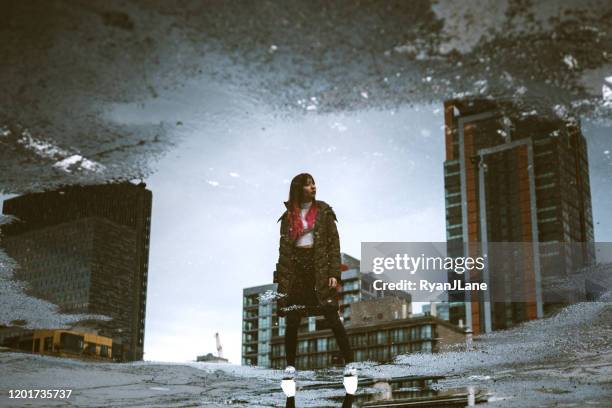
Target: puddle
x,y
552,390
402,392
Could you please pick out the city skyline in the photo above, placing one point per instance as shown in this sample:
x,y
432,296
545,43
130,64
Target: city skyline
x,y
214,107
85,249
397,164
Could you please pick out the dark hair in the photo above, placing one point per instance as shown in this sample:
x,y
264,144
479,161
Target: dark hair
x,y
296,190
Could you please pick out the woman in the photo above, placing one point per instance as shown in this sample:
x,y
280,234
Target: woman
x,y
308,268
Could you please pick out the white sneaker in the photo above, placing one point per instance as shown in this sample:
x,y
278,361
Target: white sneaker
x,y
288,387
289,373
350,380
288,382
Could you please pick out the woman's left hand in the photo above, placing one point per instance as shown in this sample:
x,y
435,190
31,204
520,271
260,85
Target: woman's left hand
x,y
333,282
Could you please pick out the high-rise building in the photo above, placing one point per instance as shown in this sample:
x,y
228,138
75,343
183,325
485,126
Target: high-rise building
x,y
259,324
86,249
514,178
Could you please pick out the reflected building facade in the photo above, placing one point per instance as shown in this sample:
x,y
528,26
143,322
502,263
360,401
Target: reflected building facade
x,y
380,330
358,286
86,249
515,178
259,324
262,328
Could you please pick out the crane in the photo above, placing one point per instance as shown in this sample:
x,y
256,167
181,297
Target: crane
x,y
219,346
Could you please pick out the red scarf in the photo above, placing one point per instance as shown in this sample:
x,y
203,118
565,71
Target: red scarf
x,y
296,228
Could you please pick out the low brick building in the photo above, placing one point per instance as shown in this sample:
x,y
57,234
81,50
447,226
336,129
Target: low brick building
x,y
63,343
378,341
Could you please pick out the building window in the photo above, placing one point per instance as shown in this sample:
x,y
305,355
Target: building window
x,y
278,350
302,362
322,344
281,326
303,346
91,348
48,343
426,331
312,323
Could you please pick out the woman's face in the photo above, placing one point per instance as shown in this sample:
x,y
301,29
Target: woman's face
x,y
310,190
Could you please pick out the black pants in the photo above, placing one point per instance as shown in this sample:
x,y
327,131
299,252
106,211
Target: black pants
x,y
304,296
332,319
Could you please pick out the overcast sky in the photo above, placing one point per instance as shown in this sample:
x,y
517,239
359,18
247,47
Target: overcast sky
x,y
217,197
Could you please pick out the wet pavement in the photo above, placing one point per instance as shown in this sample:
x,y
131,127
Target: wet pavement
x,y
573,368
213,102
145,74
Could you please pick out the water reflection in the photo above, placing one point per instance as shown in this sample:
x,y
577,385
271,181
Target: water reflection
x,y
350,91
86,250
131,96
403,391
347,402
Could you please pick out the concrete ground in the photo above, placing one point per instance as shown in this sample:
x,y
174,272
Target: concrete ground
x,y
563,361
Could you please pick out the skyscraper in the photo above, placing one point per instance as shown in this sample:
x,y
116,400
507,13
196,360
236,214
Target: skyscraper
x,y
259,324
86,249
514,178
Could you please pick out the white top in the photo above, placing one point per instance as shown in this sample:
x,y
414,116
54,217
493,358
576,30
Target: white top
x,y
306,239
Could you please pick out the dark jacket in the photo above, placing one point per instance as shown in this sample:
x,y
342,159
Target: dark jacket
x,y
326,247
